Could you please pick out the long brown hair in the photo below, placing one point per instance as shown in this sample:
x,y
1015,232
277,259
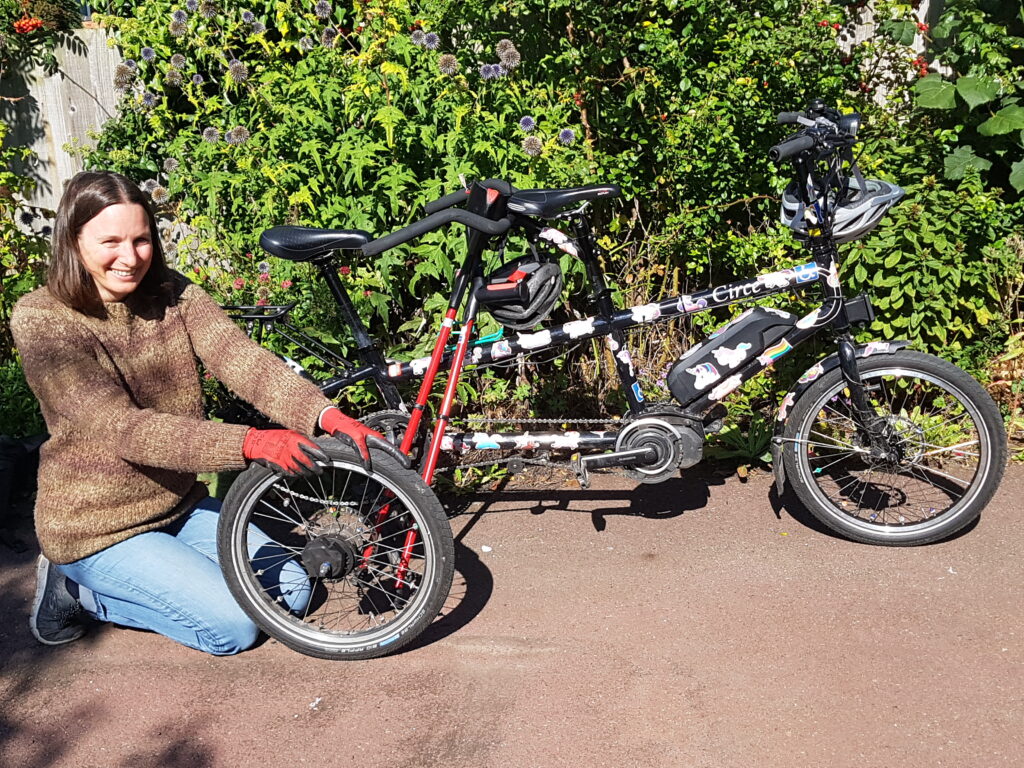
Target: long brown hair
x,y
85,196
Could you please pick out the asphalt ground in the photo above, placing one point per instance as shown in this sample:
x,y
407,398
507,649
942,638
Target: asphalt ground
x,y
694,623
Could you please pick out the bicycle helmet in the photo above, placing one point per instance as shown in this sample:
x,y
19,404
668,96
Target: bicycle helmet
x,y
857,213
522,292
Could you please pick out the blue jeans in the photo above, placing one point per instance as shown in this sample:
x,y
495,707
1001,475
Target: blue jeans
x,y
169,581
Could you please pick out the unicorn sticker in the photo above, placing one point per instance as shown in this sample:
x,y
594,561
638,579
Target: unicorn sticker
x,y
645,313
419,365
776,279
500,349
807,322
731,357
578,328
787,403
704,375
687,304
727,386
535,340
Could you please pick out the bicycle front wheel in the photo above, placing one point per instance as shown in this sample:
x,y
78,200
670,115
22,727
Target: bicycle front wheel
x,y
939,463
370,555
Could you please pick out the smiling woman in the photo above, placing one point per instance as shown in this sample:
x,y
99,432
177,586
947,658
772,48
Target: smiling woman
x,y
110,347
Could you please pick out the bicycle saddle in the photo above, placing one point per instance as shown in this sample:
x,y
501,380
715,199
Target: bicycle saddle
x,y
307,243
547,202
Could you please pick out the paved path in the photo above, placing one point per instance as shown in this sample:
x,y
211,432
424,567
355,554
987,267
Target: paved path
x,y
686,624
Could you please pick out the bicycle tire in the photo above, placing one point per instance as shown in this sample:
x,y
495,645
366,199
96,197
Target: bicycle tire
x,y
368,608
895,499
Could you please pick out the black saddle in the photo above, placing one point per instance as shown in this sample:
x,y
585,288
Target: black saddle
x,y
547,202
307,243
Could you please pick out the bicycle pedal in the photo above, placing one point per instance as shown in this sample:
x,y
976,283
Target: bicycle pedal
x,y
580,469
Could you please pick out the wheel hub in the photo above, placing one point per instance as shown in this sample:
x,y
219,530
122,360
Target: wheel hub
x,y
328,557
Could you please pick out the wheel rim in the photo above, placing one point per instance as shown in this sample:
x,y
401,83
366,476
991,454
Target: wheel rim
x,y
365,605
939,454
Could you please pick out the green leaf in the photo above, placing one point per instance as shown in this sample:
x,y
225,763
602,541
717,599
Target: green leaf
x,y
1005,120
977,90
935,93
963,158
903,32
1017,175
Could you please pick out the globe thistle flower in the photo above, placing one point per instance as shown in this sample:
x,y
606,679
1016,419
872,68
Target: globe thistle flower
x,y
567,136
149,185
147,54
124,77
504,45
527,124
498,70
171,165
448,64
486,72
431,41
532,146
258,28
159,195
173,77
418,37
208,9
130,63
323,9
211,135
178,28
307,44
263,267
237,135
192,5
248,17
179,15
238,71
510,58
149,100
178,61
263,294
328,36
197,79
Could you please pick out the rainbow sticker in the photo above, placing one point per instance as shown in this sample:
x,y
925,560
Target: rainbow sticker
x,y
774,353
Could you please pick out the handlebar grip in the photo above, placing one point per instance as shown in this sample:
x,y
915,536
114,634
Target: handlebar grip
x,y
787,118
792,146
457,197
436,221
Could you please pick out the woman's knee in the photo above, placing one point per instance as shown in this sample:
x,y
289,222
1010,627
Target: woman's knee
x,y
228,635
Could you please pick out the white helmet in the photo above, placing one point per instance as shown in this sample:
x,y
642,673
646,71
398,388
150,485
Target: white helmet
x,y
857,214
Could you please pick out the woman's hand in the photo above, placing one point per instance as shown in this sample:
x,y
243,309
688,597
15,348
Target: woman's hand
x,y
337,424
284,451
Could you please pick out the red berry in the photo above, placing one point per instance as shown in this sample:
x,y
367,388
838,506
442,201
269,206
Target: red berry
x,y
837,25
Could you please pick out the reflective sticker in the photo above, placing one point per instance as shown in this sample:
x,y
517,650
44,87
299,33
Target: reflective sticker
x,y
773,353
646,313
833,276
805,273
570,440
787,403
876,348
535,340
578,328
731,357
725,387
808,321
500,349
704,375
687,304
395,370
778,313
419,365
778,279
448,322
811,374
625,359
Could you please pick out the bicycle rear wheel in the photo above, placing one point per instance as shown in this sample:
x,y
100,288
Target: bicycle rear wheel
x,y
375,547
941,462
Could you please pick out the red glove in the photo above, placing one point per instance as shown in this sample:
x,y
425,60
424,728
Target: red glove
x,y
284,451
337,424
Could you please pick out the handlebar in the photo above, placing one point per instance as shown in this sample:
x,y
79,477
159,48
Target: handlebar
x,y
794,145
436,221
787,118
459,196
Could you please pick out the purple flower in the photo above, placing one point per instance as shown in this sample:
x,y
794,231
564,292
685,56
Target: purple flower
x,y
487,72
192,5
431,42
448,64
130,63
148,54
322,9
211,135
328,36
418,37
258,28
149,100
238,71
567,136
307,43
177,61
527,124
197,79
179,16
248,17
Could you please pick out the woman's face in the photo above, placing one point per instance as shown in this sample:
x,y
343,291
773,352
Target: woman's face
x,y
116,248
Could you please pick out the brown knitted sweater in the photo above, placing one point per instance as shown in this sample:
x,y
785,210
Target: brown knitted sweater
x,y
122,400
